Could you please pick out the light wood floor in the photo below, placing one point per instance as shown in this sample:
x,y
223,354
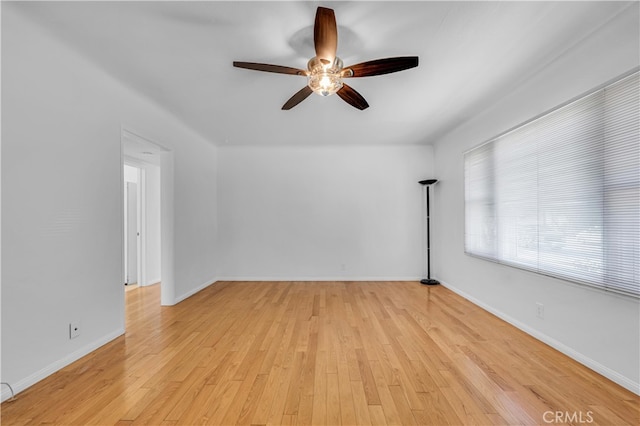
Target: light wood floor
x,y
324,353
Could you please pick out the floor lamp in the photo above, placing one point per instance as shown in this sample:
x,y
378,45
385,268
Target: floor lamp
x,y
426,233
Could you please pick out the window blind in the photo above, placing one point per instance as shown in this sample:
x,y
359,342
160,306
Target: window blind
x,y
560,194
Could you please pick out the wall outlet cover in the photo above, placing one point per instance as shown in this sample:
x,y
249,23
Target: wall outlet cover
x,y
74,330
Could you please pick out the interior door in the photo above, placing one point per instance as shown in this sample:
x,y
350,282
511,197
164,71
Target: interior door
x,y
131,233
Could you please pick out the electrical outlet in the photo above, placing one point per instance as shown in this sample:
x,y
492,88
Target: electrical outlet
x,y
74,330
540,310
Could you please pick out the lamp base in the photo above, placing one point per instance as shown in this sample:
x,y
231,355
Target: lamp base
x,y
429,281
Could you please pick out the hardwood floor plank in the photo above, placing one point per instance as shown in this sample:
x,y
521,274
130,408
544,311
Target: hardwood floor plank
x,y
178,402
327,353
248,387
360,406
150,407
366,377
275,366
347,409
377,415
334,414
226,393
402,406
319,412
279,400
391,415
251,403
437,410
295,386
305,410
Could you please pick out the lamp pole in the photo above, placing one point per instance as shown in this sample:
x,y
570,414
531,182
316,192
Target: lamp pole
x,y
426,184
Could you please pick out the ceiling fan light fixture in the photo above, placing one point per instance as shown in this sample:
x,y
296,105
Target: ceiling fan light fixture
x,y
325,77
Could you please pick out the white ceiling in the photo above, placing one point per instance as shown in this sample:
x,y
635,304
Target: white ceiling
x,y
180,55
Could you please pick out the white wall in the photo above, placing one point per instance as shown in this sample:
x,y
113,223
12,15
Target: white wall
x,y
296,213
62,201
153,249
600,330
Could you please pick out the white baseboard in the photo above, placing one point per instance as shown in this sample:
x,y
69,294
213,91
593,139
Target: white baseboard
x,y
194,291
607,372
337,278
60,364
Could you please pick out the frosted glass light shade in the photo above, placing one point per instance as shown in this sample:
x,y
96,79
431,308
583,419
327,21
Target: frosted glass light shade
x,y
324,76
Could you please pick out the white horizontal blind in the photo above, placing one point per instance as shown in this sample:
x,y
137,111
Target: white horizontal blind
x,y
560,195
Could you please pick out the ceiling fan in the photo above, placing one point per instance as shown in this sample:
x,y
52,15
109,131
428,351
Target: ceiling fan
x,y
325,71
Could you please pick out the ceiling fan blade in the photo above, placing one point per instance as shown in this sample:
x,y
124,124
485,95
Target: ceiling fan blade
x,y
380,66
325,34
300,96
269,68
353,98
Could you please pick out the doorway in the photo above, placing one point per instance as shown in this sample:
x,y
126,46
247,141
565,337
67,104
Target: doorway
x,y
142,224
147,170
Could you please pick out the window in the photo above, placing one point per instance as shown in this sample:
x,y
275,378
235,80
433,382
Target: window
x,y
560,195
